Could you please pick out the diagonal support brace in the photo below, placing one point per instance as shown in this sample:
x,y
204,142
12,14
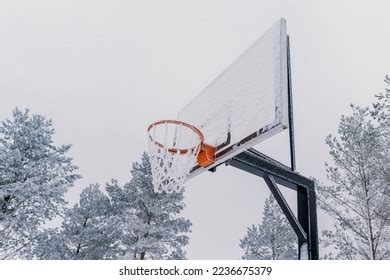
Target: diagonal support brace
x,y
285,207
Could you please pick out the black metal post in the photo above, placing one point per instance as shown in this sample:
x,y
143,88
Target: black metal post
x,y
303,218
313,238
290,109
307,217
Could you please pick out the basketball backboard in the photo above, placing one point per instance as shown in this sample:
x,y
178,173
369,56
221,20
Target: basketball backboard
x,y
246,103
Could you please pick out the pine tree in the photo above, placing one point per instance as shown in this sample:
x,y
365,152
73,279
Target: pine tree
x,y
273,239
89,231
34,176
358,194
151,226
51,244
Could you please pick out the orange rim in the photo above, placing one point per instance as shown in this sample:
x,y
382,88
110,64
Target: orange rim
x,y
176,150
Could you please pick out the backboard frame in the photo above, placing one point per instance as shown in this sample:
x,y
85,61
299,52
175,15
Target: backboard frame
x,y
229,149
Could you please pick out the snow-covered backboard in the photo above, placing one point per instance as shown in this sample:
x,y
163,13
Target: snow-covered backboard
x,y
247,102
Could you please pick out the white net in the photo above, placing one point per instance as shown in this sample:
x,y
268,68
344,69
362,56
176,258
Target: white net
x,y
173,150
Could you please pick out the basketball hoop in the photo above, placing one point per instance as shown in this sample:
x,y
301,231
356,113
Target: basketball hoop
x,y
175,147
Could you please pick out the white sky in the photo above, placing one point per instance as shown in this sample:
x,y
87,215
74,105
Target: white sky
x,y
103,70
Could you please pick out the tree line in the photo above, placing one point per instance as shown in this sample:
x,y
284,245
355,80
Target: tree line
x,y
115,222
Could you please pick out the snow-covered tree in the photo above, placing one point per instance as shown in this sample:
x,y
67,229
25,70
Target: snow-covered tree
x,y
151,227
357,196
89,231
381,114
273,239
34,176
51,244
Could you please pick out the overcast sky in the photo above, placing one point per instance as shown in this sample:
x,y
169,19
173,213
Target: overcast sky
x,y
104,70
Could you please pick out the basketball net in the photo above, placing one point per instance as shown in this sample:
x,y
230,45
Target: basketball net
x,y
173,150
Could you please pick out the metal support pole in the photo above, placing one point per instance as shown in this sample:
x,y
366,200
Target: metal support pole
x,y
290,109
307,217
303,218
313,238
306,197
